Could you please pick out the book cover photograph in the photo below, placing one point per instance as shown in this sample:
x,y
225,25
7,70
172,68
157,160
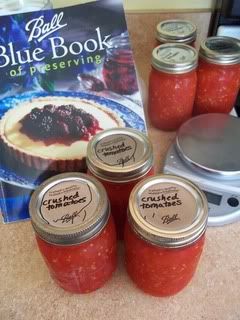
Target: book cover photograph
x,y
65,75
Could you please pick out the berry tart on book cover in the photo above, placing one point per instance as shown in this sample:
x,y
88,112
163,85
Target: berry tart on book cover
x,y
51,133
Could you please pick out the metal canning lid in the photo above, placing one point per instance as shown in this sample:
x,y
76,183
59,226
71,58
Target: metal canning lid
x,y
220,50
181,31
168,211
119,154
174,58
69,208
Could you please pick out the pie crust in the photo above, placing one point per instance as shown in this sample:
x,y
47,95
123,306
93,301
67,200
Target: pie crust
x,y
58,156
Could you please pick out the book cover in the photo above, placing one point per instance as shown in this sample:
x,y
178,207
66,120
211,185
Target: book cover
x,y
65,75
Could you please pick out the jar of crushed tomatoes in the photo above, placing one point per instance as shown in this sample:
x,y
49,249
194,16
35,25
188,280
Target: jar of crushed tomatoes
x,y
75,232
218,75
119,72
172,85
165,233
177,31
119,158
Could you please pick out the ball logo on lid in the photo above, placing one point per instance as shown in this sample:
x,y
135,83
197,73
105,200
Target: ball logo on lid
x,y
175,55
222,46
68,203
178,28
118,150
167,206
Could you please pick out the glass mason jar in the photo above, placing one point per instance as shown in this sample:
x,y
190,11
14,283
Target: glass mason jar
x,y
13,30
172,85
176,31
74,230
119,72
218,75
165,234
119,158
21,6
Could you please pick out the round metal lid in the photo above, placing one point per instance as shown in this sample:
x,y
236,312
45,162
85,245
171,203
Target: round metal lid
x,y
119,154
174,58
168,211
220,50
210,143
69,208
181,31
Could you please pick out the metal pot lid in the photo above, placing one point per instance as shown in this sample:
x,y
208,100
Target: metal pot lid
x,y
176,31
210,143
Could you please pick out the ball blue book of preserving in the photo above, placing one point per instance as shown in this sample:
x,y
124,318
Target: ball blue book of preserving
x,y
65,75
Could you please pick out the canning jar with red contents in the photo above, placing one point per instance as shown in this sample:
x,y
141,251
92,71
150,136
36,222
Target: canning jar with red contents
x,y
218,75
172,85
176,31
164,234
119,72
120,158
75,232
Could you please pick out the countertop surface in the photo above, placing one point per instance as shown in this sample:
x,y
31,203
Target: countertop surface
x,y
28,292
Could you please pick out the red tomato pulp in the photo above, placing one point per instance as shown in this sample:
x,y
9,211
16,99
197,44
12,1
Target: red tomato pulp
x,y
217,87
171,98
118,194
160,271
84,267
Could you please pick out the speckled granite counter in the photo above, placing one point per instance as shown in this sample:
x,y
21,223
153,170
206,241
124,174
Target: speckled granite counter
x,y
27,292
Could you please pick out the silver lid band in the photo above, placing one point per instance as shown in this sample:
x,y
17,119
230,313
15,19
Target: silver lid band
x,y
69,209
220,50
178,31
119,155
174,58
168,211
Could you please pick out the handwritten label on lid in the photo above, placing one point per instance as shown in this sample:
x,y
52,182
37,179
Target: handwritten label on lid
x,y
119,150
177,28
167,206
69,203
175,55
